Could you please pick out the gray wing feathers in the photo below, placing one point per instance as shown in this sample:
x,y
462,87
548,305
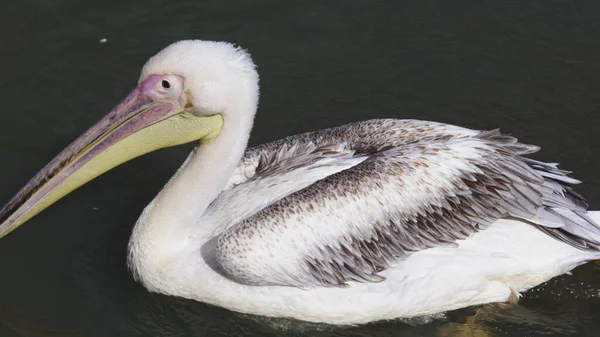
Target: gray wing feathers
x,y
361,138
286,158
403,198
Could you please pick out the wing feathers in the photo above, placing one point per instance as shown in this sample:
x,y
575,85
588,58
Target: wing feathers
x,y
431,185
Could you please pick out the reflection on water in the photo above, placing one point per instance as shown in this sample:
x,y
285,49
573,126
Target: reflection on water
x,y
529,68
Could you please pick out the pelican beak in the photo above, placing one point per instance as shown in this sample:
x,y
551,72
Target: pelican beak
x,y
141,123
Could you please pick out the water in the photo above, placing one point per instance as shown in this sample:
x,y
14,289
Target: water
x,y
528,68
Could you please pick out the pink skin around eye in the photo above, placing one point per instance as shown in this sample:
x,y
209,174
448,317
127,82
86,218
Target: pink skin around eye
x,y
150,86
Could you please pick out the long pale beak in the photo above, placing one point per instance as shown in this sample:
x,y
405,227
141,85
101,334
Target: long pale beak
x,y
136,126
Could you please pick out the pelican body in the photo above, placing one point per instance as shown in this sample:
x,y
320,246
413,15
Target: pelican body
x,y
368,221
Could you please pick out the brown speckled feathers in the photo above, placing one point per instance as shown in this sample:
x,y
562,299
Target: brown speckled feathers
x,y
422,185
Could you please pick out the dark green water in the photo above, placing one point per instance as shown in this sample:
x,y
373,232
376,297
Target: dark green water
x,y
530,69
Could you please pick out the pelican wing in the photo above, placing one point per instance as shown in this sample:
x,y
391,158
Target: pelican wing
x,y
274,170
358,139
260,183
404,197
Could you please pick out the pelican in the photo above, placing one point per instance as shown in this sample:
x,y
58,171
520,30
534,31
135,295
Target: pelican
x,y
369,221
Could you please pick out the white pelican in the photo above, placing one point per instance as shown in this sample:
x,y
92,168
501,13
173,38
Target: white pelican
x,y
368,221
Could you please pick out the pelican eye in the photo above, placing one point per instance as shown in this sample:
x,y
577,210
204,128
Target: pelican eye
x,y
165,84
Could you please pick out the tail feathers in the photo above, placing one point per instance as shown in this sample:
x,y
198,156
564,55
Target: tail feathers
x,y
579,226
563,214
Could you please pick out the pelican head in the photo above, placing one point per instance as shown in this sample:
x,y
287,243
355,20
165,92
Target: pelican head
x,y
184,94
